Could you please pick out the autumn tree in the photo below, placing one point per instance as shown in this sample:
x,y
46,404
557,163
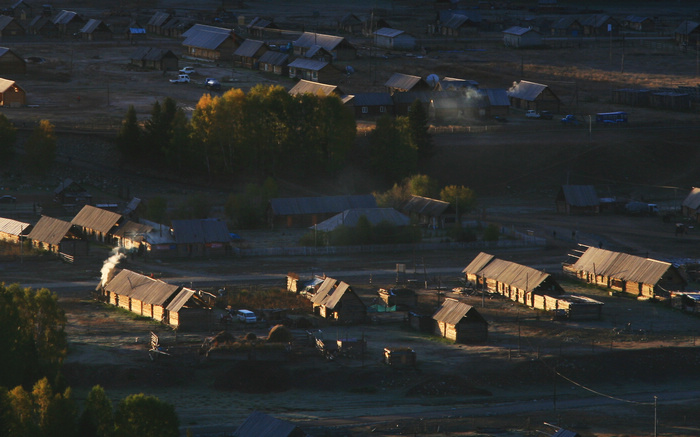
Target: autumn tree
x,y
40,148
8,138
139,415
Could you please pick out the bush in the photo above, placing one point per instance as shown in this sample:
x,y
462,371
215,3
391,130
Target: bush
x,y
280,334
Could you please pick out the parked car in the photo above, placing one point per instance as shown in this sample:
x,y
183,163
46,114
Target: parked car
x,y
246,316
531,113
181,78
570,119
212,84
546,115
188,70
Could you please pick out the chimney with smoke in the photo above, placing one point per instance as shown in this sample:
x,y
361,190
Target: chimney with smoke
x,y
107,271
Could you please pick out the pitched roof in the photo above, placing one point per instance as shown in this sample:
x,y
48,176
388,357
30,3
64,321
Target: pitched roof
x,y
425,206
375,216
453,311
478,263
5,84
132,229
180,300
622,266
274,58
326,286
517,275
372,99
136,286
316,50
388,32
329,296
495,96
308,64
205,28
517,30
249,48
686,27
200,231
158,19
259,424
93,25
328,42
404,81
65,17
205,39
49,230
12,227
525,90
636,19
453,82
580,195
692,200
320,205
307,86
5,20
95,218
151,54
565,22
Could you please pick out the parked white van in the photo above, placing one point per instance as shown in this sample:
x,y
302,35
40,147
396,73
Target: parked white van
x,y
246,316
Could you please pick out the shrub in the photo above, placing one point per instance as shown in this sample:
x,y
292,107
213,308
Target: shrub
x,y
280,334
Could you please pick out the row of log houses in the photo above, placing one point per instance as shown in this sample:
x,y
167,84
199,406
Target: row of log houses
x,y
179,307
641,277
528,286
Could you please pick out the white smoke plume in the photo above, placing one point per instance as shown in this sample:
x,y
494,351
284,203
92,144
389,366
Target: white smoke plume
x,y
109,265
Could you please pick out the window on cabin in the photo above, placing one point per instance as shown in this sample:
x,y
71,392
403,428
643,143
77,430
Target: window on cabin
x,y
365,110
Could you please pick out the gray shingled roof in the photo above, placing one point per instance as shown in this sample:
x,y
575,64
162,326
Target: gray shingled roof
x,y
687,27
97,219
12,227
388,32
5,20
622,266
309,39
206,39
478,263
180,300
320,205
403,81
151,54
525,90
692,201
517,275
580,195
205,28
425,206
133,230
375,216
200,231
495,97
307,86
65,17
158,19
453,311
49,230
274,58
249,48
93,25
136,286
308,64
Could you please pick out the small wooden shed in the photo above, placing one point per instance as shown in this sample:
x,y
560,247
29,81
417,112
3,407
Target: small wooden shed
x,y
577,199
460,322
339,303
97,223
531,95
11,62
518,37
11,94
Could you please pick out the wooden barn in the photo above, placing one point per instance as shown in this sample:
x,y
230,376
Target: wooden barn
x,y
96,223
96,30
22,11
519,37
303,212
261,27
10,28
428,212
459,23
691,205
315,71
68,22
259,424
57,236
211,43
274,62
156,22
155,59
11,94
13,231
338,46
531,95
460,322
43,26
201,237
394,39
131,235
338,302
248,54
493,102
577,199
641,277
11,62
567,26
177,306
687,33
350,23
639,23
598,25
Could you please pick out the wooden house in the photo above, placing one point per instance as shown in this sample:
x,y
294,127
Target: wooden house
x,y
404,100
13,231
370,25
370,105
304,212
131,235
401,83
11,62
248,54
259,424
22,11
190,310
96,30
211,43
349,23
460,322
687,33
641,277
11,94
338,46
318,53
56,236
69,23
42,25
519,37
315,88
459,23
10,28
691,205
426,211
201,237
493,102
155,59
530,95
567,26
156,22
577,199
96,223
70,194
339,303
638,23
274,62
261,27
403,298
375,216
600,25
394,39
176,27
316,71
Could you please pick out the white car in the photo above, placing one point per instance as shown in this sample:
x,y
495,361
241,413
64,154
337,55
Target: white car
x,y
187,70
181,78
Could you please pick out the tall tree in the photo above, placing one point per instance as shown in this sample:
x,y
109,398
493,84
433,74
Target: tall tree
x,y
418,136
8,138
391,154
460,197
61,418
129,137
97,419
139,415
40,148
